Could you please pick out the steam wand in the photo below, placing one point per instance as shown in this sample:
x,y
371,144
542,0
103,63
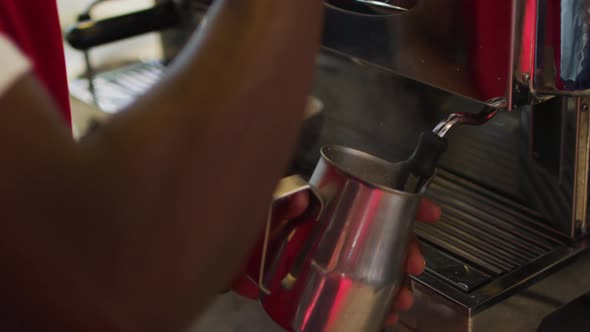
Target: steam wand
x,y
432,145
474,119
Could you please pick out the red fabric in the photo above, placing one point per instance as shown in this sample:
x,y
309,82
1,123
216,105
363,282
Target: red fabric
x,y
489,44
34,26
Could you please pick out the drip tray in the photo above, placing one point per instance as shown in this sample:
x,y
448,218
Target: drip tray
x,y
481,235
492,264
453,271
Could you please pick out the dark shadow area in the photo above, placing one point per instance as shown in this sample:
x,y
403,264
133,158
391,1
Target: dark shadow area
x,y
574,317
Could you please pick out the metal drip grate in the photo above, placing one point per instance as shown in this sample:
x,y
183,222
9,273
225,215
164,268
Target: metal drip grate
x,y
486,231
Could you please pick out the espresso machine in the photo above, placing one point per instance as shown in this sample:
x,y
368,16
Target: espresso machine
x,y
511,247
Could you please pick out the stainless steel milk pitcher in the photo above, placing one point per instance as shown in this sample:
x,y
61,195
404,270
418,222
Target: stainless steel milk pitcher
x,y
338,268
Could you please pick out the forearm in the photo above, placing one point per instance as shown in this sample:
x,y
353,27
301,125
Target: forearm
x,y
152,215
197,159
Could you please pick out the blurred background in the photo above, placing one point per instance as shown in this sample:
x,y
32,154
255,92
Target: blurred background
x,y
142,48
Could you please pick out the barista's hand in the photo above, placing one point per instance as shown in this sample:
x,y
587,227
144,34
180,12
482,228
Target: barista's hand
x,y
291,207
415,264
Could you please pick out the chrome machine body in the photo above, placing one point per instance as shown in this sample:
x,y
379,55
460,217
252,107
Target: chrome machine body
x,y
511,245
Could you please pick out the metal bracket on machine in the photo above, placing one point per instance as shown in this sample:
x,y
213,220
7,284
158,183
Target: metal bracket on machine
x,y
582,166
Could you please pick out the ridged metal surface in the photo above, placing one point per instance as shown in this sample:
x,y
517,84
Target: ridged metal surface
x,y
491,154
484,229
116,89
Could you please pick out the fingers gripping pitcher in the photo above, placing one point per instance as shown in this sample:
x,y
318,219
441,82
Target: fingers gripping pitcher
x,y
338,267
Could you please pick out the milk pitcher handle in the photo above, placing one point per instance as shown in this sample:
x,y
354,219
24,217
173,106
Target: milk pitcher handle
x,y
273,252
